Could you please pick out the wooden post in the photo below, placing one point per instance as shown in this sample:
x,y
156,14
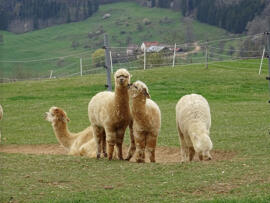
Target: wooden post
x,y
174,54
107,62
51,74
144,61
206,55
268,78
81,66
260,70
111,62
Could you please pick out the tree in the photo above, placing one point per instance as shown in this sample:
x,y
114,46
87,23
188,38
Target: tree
x,y
98,58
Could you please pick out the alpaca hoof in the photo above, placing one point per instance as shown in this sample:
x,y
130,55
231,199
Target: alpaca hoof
x,y
105,154
140,161
98,156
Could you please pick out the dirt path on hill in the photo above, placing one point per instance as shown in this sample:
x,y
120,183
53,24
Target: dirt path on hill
x,y
163,154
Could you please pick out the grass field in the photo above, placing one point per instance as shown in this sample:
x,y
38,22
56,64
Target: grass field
x,y
238,98
125,26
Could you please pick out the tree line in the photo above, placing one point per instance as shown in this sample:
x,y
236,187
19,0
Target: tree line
x,y
40,11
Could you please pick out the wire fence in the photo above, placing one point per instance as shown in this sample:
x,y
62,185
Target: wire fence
x,y
246,50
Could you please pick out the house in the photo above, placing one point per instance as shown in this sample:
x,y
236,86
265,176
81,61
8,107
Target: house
x,y
156,49
146,45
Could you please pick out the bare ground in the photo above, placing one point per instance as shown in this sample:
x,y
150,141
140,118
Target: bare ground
x,y
163,154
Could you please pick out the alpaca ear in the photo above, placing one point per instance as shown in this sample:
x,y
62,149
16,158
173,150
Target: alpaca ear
x,y
145,92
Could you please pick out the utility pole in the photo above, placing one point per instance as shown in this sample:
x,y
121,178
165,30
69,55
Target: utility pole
x,y
107,62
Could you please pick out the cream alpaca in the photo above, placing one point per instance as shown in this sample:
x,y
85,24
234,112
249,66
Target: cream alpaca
x,y
146,121
81,143
193,120
109,112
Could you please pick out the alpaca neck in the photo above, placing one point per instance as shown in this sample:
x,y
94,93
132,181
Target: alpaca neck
x,y
62,134
139,107
122,99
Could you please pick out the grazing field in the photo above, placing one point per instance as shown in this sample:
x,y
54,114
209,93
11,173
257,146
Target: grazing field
x,y
239,171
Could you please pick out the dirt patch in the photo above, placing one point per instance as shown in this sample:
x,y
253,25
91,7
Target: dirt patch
x,y
163,154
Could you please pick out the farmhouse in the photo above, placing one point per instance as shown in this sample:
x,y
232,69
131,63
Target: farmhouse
x,y
146,45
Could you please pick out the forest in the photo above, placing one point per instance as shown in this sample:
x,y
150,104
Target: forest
x,y
20,16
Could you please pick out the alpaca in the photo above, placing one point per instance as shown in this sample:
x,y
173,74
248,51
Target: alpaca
x,y
109,112
81,143
193,120
146,121
1,116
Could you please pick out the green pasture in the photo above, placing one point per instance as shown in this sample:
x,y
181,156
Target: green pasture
x,y
238,99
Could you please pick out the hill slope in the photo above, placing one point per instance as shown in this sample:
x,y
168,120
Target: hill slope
x,y
80,39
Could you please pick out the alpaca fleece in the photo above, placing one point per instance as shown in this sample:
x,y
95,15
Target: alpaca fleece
x,y
146,121
109,112
81,143
193,120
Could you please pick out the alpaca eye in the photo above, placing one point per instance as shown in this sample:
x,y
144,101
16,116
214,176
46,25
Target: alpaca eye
x,y
136,87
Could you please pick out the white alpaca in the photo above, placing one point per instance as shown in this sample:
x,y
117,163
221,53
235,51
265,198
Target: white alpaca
x,y
193,120
109,112
146,121
81,143
1,116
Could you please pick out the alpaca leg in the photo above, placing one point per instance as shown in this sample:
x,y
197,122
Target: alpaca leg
x,y
132,146
200,156
104,148
111,141
98,139
191,153
183,145
119,143
151,142
140,147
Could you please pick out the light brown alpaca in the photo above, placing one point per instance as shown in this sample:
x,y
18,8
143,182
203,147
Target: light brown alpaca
x,y
146,121
81,143
109,112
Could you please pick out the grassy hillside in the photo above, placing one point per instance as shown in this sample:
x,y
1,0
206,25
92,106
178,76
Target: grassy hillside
x,y
124,26
238,100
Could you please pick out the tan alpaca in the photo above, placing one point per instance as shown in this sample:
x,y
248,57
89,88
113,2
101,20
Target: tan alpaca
x,y
81,143
146,121
193,120
1,116
109,112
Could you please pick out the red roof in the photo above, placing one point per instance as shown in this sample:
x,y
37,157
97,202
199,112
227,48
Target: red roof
x,y
149,44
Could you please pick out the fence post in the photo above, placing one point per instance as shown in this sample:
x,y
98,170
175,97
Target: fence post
x,y
174,54
260,70
268,39
51,74
81,66
206,55
107,62
144,61
111,62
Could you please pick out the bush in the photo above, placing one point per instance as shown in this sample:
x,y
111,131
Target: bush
x,y
98,58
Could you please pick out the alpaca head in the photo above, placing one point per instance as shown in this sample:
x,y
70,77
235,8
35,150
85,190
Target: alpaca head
x,y
122,77
138,88
203,145
56,114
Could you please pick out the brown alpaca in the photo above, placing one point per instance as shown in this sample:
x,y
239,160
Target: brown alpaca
x,y
146,121
81,143
109,112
